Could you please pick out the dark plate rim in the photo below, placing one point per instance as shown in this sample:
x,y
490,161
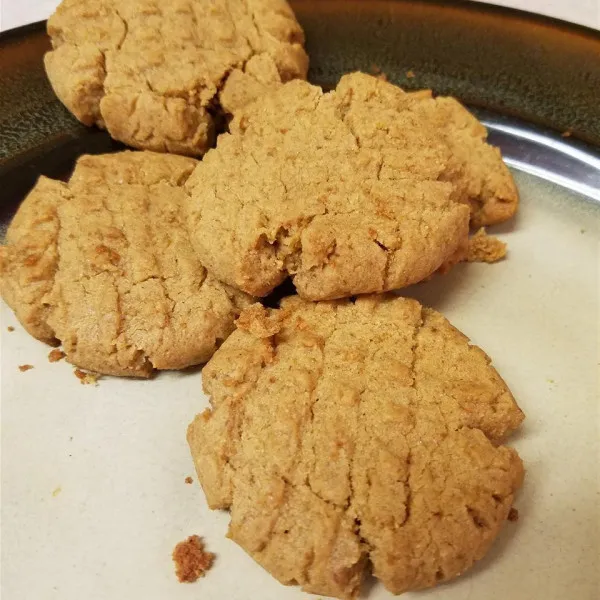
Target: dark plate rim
x,y
469,5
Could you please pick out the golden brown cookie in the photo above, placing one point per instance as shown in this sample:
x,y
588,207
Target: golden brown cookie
x,y
293,190
104,265
162,75
347,433
436,138
485,248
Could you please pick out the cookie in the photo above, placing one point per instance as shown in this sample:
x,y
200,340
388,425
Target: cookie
x,y
293,190
163,76
104,265
435,137
348,435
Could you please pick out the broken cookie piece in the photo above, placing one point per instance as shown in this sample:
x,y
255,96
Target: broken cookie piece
x,y
164,76
55,355
191,559
436,138
104,265
349,436
485,248
86,378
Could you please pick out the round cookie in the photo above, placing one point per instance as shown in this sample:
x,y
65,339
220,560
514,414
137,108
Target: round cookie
x,y
104,265
163,76
347,433
418,123
363,189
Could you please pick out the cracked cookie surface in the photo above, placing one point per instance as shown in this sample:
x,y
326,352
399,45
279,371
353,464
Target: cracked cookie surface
x,y
293,191
363,189
162,75
343,434
104,265
434,137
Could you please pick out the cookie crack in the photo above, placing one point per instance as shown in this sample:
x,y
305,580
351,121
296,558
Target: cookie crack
x,y
114,279
125,26
54,288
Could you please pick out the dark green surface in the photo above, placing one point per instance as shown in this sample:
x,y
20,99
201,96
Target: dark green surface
x,y
541,70
538,69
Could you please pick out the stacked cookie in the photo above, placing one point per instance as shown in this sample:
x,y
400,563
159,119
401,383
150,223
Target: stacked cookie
x,y
350,428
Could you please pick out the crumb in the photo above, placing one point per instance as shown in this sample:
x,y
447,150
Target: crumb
x,y
189,480
378,73
513,515
191,561
567,133
410,74
24,368
10,329
485,248
56,355
56,492
86,378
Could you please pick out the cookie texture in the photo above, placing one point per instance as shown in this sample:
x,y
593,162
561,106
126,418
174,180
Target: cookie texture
x,y
104,265
436,138
163,75
363,189
294,190
485,248
347,433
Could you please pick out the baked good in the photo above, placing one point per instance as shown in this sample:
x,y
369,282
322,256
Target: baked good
x,y
363,189
292,190
436,137
485,248
347,433
164,76
191,560
104,265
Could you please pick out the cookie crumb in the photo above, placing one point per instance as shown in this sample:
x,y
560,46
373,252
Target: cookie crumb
x,y
378,73
24,368
485,248
86,378
10,329
189,480
56,355
566,134
410,74
513,515
191,560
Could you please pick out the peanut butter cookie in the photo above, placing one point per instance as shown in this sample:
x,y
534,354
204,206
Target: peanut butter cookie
x,y
437,138
363,189
162,75
104,265
293,190
343,434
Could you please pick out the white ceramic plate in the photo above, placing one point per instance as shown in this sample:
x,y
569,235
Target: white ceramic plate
x,y
93,491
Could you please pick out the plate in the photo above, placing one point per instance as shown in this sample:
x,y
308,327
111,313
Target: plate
x,y
93,491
